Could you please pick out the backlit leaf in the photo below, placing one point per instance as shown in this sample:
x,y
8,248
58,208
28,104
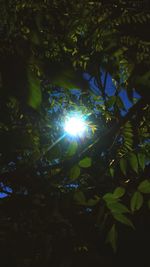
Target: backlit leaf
x,y
111,170
141,160
119,192
127,134
109,198
117,207
133,162
72,149
123,165
136,201
35,95
144,187
123,219
74,172
85,163
112,238
79,197
93,201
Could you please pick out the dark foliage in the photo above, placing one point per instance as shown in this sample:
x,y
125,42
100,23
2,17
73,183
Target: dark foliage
x,y
63,205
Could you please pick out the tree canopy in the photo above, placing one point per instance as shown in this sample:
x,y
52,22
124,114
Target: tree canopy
x,y
74,201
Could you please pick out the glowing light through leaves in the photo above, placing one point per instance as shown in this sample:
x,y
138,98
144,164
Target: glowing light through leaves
x,y
75,126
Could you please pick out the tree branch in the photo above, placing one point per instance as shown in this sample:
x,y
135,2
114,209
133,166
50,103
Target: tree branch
x,y
93,148
109,135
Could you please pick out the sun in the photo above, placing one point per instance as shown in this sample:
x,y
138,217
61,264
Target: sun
x,y
75,126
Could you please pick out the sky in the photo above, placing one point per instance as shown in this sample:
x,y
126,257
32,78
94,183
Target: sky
x,y
110,90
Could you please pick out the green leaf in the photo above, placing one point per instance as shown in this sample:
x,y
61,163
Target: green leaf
x,y
119,192
123,219
123,165
111,101
128,138
128,146
128,142
35,95
119,103
136,201
127,134
93,201
133,162
79,197
141,160
85,163
144,187
112,237
128,126
109,198
74,172
72,149
127,131
117,207
112,171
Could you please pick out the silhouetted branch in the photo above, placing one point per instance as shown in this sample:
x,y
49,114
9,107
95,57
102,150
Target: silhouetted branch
x,y
108,137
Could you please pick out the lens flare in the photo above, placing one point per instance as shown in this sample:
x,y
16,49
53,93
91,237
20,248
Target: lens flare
x,y
75,126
